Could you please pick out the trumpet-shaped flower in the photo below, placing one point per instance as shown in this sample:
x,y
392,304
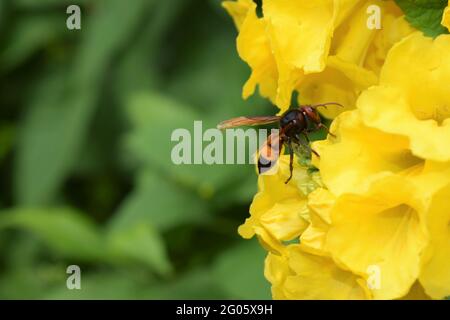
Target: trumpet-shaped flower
x,y
327,50
384,229
361,155
413,99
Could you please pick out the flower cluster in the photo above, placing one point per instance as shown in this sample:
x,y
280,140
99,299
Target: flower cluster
x,y
373,222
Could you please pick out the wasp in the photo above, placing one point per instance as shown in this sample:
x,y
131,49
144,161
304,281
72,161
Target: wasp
x,y
293,124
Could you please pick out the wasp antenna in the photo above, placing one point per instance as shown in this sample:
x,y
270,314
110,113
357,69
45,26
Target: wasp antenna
x,y
327,104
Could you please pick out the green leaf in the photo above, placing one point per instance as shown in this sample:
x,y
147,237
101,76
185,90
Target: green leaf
x,y
196,284
425,15
70,234
211,62
142,243
29,34
138,70
239,272
106,284
7,136
61,111
46,3
65,231
2,14
161,203
50,137
154,118
32,280
241,192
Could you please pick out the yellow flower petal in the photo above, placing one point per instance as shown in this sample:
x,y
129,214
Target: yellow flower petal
x,y
254,48
278,211
340,82
300,35
394,29
446,17
276,270
320,203
360,155
238,10
382,229
355,59
435,276
284,219
412,99
357,37
302,31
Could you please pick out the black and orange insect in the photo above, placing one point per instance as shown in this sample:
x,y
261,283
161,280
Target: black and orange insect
x,y
293,124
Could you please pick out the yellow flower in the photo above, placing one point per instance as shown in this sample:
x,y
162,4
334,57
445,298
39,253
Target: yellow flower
x,y
401,226
361,155
323,49
305,270
239,10
390,172
435,187
300,275
413,98
446,17
278,211
281,212
398,124
355,57
394,29
383,229
313,238
254,48
385,195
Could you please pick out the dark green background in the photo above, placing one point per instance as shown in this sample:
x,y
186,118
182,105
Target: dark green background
x,y
85,170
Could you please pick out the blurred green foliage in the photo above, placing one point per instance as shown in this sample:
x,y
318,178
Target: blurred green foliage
x,y
86,176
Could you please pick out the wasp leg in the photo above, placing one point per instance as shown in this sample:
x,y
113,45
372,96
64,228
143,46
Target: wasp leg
x,y
309,145
306,137
291,161
315,152
321,125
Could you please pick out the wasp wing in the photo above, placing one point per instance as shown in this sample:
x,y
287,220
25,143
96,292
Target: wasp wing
x,y
247,121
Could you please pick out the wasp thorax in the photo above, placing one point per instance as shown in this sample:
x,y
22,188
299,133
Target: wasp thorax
x,y
292,121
